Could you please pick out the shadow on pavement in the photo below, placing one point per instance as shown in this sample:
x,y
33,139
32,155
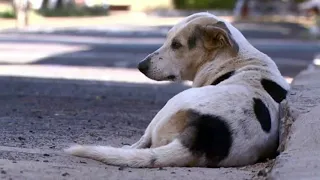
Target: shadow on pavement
x,y
107,55
128,56
51,113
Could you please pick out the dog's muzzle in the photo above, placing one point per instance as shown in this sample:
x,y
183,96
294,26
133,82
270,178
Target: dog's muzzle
x,y
143,66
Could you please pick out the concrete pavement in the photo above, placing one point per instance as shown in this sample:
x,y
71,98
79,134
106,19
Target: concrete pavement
x,y
301,157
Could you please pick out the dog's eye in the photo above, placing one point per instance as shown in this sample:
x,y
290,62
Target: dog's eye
x,y
175,44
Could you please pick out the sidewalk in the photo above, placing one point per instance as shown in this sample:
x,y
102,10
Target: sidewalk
x,y
131,19
301,156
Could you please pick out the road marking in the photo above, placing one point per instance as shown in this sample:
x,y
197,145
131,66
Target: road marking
x,y
17,53
81,73
17,56
79,39
31,48
21,57
58,38
76,73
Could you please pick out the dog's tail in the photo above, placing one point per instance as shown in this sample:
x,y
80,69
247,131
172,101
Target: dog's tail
x,y
172,154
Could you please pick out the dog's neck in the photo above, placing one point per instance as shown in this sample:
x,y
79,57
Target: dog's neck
x,y
210,71
224,63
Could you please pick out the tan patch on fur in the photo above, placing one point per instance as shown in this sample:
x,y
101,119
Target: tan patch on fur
x,y
184,62
170,130
207,45
199,55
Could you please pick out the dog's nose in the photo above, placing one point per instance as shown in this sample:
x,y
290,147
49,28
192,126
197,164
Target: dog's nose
x,y
144,65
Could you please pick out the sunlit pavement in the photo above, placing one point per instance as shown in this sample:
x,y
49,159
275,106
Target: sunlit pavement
x,y
125,49
82,73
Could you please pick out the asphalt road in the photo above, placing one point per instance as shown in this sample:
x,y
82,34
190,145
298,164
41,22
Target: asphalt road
x,y
56,89
126,46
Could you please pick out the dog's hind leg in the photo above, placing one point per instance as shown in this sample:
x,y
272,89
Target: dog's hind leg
x,y
143,142
146,140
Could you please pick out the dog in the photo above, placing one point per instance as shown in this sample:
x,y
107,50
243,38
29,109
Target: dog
x,y
228,118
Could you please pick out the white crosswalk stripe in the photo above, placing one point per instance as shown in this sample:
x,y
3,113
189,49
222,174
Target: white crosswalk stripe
x,y
19,51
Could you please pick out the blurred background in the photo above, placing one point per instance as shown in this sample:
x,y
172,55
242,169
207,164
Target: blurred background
x,y
116,34
68,67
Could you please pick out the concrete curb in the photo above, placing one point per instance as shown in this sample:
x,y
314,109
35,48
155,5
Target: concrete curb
x,y
300,131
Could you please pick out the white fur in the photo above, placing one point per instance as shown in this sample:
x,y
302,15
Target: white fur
x,y
172,154
227,100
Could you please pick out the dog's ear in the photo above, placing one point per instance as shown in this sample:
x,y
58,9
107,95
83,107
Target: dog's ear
x,y
218,36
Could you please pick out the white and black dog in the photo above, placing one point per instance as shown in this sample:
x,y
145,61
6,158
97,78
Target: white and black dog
x,y
229,117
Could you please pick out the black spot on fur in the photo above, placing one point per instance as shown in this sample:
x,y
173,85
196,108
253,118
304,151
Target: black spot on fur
x,y
192,41
262,114
207,135
222,78
274,89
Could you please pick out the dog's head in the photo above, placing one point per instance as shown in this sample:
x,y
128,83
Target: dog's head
x,y
193,42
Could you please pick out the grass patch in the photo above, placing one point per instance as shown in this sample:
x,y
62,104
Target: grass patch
x,y
74,11
204,4
7,14
6,11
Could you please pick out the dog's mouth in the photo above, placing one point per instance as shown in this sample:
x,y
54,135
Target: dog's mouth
x,y
171,77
